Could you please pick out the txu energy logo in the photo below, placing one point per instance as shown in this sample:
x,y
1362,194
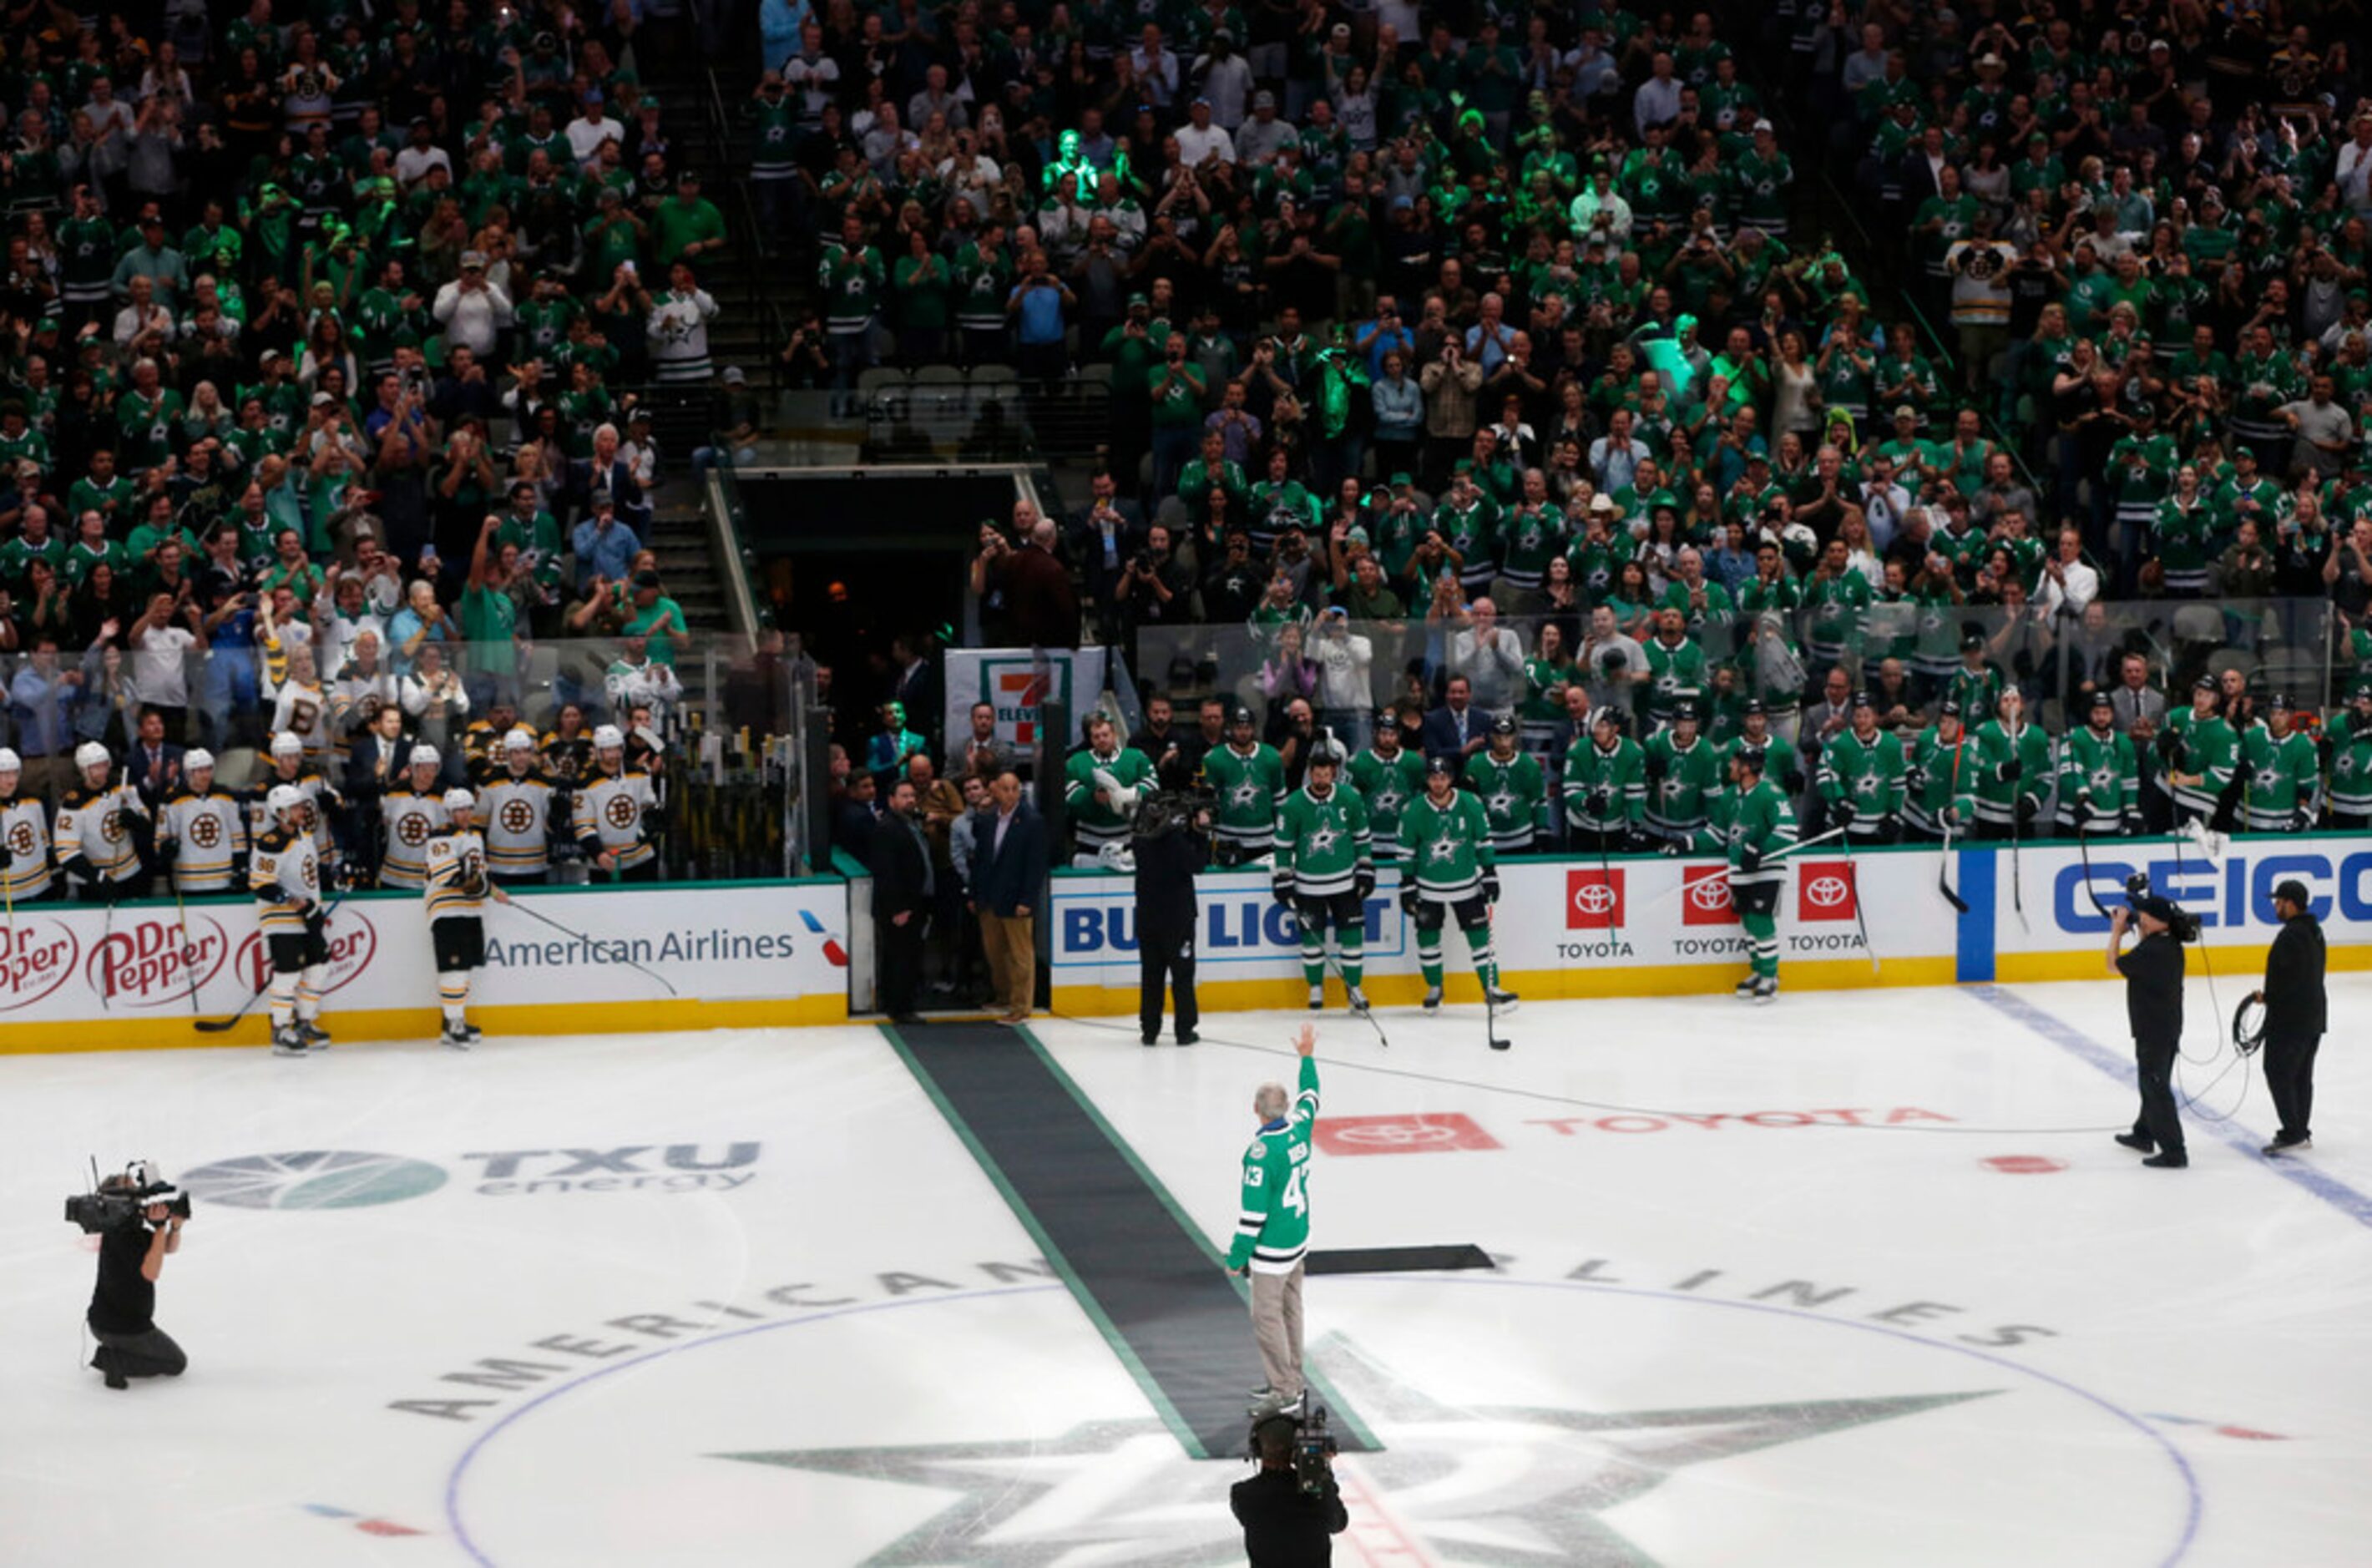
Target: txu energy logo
x,y
314,1178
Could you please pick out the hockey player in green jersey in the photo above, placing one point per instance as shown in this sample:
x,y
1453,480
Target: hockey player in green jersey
x,y
2349,738
1448,868
1511,788
2100,776
1325,869
1247,777
1102,784
1684,772
2201,751
1939,796
2284,791
1861,778
1388,775
1273,1227
1605,786
1777,758
2012,765
1761,828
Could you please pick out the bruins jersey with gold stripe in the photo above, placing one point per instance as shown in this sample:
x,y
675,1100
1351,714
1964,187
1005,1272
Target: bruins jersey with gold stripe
x,y
609,809
285,875
456,861
209,831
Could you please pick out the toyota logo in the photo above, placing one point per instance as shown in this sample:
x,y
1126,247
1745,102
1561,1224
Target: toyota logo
x,y
1827,892
1594,898
1397,1134
1708,894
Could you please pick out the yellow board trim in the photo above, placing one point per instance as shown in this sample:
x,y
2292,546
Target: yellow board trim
x,y
2241,964
169,1032
1534,985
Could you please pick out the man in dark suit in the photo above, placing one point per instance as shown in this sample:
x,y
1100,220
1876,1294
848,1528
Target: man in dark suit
x,y
2297,1012
154,768
1456,729
1009,851
1284,1525
902,903
605,469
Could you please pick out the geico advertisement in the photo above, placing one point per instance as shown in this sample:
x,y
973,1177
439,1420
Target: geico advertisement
x,y
2232,893
1552,914
65,963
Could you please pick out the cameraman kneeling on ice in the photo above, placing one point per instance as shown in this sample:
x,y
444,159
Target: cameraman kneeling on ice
x,y
1285,1525
123,1304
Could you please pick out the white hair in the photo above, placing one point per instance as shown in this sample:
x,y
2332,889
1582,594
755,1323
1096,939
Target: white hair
x,y
1269,1101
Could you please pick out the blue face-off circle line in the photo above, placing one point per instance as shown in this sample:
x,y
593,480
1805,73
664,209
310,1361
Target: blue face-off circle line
x,y
2193,1506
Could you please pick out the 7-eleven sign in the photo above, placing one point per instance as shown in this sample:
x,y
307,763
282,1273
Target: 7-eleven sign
x,y
1018,689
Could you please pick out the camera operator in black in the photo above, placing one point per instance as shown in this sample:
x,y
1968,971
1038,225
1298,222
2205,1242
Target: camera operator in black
x,y
2296,1014
123,1303
1171,843
1284,1525
2153,972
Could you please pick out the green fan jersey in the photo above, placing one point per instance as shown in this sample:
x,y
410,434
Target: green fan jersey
x,y
1515,796
1099,823
1676,674
1763,821
1681,782
1387,784
1605,790
2100,781
1273,1218
1321,841
2285,778
1868,773
2208,748
1250,786
1447,847
2184,539
1942,782
1996,748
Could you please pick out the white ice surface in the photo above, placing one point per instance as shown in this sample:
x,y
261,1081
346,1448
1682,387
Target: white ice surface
x,y
1712,1339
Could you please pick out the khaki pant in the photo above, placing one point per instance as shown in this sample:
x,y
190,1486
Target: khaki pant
x,y
1276,1326
1011,944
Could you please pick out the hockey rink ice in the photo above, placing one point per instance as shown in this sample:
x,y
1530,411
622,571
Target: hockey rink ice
x,y
1855,1279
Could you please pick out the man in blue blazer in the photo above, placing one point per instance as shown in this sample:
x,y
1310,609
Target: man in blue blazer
x,y
1009,883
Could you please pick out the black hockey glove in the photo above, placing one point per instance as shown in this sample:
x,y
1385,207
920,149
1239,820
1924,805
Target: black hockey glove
x,y
1843,812
1596,803
1750,858
80,867
1363,883
1671,849
2243,771
1490,886
1638,841
1280,887
1408,897
2027,808
2300,821
2009,772
2169,747
7,855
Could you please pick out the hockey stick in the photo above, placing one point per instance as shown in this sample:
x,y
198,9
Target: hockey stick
x,y
1853,876
2017,861
1795,848
1491,986
188,946
1944,865
588,941
106,957
216,1026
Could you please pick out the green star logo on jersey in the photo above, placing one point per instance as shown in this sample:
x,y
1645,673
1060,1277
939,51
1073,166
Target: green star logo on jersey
x,y
1246,793
1321,839
1443,848
1866,784
1120,1491
1501,803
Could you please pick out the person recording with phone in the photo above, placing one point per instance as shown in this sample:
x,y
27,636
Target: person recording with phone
x,y
122,1314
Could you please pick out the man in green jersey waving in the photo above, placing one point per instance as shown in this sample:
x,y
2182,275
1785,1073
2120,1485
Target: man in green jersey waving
x,y
1273,1227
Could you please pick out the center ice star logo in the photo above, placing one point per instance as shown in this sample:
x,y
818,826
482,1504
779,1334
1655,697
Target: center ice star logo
x,y
1505,1484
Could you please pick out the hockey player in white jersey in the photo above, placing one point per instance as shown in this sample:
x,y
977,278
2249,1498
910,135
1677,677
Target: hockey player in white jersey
x,y
458,887
617,812
515,807
410,813
103,831
285,875
292,767
24,837
201,831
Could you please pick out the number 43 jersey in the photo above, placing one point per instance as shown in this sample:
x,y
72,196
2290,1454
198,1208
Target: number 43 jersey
x,y
1273,1221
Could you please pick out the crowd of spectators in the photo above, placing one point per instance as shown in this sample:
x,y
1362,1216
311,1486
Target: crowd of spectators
x,y
317,329
1414,329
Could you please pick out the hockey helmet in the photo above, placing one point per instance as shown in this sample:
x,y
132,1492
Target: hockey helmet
x,y
426,757
459,800
1327,754
197,761
1502,724
608,738
1441,767
92,754
287,743
10,762
1241,716
518,740
1862,700
284,798
2100,699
